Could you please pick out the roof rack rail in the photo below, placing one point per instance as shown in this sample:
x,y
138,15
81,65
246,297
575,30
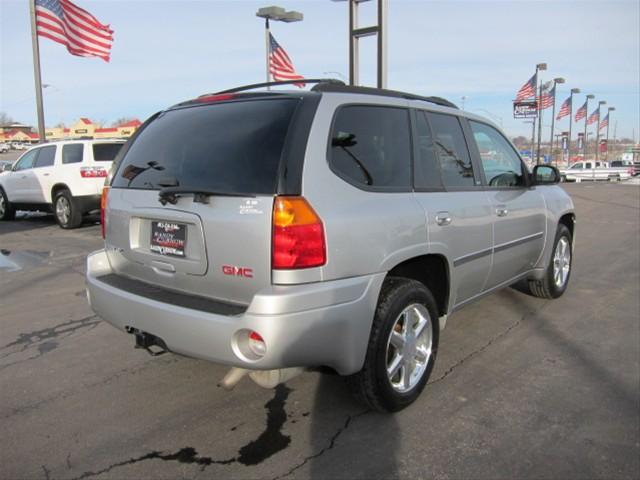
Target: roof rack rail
x,y
253,86
332,87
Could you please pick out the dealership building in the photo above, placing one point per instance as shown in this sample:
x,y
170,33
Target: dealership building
x,y
83,128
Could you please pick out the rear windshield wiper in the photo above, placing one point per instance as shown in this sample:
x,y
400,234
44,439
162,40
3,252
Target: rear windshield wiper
x,y
201,195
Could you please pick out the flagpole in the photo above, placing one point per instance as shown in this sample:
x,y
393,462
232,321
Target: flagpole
x,y
36,71
573,90
600,103
268,45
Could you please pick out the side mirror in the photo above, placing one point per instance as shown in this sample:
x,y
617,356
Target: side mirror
x,y
545,175
5,167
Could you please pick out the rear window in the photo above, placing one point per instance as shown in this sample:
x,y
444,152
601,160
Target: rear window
x,y
228,147
72,153
105,152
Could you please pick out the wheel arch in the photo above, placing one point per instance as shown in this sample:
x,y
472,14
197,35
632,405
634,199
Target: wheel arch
x,y
58,187
432,270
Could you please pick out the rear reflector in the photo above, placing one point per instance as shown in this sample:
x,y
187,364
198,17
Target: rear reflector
x,y
298,235
257,345
103,206
93,172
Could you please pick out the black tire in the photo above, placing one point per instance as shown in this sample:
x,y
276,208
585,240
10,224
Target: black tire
x,y
66,210
547,287
7,211
371,385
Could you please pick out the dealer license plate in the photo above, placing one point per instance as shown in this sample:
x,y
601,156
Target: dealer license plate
x,y
168,238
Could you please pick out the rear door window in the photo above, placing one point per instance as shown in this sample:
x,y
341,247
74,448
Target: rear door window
x,y
46,157
105,152
427,167
232,147
451,147
370,147
72,153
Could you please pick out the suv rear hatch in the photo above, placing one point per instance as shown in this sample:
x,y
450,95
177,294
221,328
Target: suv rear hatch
x,y
222,164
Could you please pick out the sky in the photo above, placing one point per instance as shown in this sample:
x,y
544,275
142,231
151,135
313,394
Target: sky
x,y
167,51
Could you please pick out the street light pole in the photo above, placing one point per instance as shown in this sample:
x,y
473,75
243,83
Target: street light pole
x,y
600,103
573,90
553,113
278,14
609,110
539,67
586,117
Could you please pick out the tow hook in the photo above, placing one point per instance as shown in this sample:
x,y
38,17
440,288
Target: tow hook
x,y
146,341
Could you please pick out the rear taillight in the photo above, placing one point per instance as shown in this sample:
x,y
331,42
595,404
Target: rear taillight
x,y
103,207
298,235
93,172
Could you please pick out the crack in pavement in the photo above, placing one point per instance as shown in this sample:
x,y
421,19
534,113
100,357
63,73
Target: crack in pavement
x,y
45,339
332,443
188,455
488,344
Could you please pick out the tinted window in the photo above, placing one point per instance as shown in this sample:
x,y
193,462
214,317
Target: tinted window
x,y
46,156
453,155
226,147
427,169
72,153
371,146
500,162
105,152
27,160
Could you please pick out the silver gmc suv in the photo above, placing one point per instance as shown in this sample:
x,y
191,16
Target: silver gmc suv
x,y
333,229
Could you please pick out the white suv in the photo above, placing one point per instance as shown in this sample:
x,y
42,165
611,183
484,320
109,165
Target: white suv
x,y
65,178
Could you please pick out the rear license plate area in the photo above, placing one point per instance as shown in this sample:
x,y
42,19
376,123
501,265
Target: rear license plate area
x,y
168,238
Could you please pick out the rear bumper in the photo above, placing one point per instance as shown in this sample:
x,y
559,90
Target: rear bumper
x,y
317,324
87,203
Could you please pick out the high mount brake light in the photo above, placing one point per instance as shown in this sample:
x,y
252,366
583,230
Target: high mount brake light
x,y
298,235
215,98
103,206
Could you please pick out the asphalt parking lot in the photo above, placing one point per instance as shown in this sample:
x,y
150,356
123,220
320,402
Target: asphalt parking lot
x,y
523,387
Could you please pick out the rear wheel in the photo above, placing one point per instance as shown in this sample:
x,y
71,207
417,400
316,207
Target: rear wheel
x,y
7,212
558,272
402,347
66,210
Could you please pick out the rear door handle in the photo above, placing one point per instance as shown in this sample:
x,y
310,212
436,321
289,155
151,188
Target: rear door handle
x,y
502,211
443,218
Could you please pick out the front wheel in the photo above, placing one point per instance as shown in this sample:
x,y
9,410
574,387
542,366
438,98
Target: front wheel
x,y
7,212
402,347
556,277
66,211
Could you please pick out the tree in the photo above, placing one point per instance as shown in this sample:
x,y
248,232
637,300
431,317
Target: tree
x,y
122,121
5,119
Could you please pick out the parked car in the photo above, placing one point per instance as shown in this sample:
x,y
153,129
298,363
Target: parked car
x,y
336,228
4,148
65,178
592,170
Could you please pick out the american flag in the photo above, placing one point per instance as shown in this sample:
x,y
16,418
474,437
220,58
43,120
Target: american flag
x,y
594,117
605,122
280,65
548,99
565,109
582,112
73,27
528,90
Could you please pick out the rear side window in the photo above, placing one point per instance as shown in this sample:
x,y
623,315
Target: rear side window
x,y
453,154
230,147
371,147
105,152
46,156
72,153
